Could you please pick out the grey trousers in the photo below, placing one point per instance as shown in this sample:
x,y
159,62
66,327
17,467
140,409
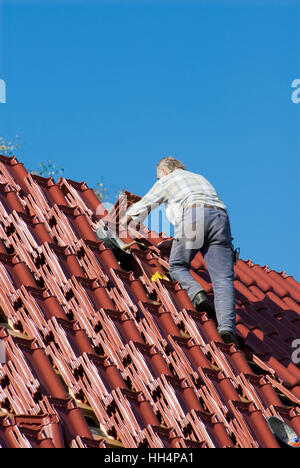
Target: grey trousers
x,y
213,227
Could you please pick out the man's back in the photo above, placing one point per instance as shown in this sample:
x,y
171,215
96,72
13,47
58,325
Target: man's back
x,y
177,190
185,187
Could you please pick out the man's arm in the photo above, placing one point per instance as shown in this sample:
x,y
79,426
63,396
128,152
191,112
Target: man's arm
x,y
127,219
140,210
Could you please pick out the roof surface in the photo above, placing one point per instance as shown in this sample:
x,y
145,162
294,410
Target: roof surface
x,y
103,350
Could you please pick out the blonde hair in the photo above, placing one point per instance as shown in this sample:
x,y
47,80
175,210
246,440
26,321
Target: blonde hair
x,y
171,164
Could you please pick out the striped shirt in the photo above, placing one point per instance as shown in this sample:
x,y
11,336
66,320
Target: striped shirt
x,y
177,191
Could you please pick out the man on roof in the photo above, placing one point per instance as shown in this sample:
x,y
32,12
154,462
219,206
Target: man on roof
x,y
201,224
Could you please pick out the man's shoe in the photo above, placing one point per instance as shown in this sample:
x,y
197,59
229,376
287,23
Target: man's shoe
x,y
229,338
200,302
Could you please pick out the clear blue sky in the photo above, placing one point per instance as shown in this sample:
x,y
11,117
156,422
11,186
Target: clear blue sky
x,y
106,88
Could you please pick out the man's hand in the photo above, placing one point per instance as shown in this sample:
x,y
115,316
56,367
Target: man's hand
x,y
125,221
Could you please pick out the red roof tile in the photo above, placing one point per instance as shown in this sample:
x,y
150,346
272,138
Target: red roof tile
x,y
105,351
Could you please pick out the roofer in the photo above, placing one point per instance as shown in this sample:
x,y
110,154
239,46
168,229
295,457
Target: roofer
x,y
201,224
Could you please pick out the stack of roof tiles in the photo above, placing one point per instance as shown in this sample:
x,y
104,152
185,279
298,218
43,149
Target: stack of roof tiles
x,y
107,352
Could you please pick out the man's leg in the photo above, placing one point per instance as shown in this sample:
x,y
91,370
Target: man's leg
x,y
180,264
219,260
182,254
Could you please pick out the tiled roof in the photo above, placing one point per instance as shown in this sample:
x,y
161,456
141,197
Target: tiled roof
x,y
106,351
